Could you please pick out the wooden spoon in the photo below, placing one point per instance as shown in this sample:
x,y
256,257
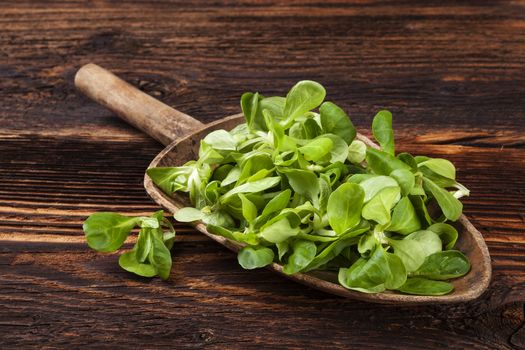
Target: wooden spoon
x,y
181,133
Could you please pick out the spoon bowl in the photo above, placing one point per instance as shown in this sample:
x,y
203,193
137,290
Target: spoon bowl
x,y
182,134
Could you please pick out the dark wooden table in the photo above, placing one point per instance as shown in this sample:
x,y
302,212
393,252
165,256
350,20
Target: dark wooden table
x,y
453,76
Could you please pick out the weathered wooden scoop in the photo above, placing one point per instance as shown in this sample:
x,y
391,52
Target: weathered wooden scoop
x,y
181,134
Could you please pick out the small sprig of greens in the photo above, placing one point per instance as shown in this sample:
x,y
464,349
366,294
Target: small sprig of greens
x,y
106,232
293,186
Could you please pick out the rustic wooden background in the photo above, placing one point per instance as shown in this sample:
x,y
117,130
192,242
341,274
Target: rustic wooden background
x,y
453,75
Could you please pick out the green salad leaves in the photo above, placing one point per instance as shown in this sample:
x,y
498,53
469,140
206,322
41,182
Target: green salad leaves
x,y
293,186
106,232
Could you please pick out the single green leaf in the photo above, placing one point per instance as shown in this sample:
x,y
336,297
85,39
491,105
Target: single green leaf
x,y
447,233
414,248
325,191
251,187
212,191
160,257
356,151
450,205
261,174
307,130
253,163
253,106
441,167
304,96
129,262
417,189
209,155
303,182
279,231
293,215
383,132
249,210
383,163
221,140
106,231
249,106
303,253
143,245
149,222
367,275
421,210
220,231
188,214
422,286
282,249
404,218
169,237
367,244
335,121
316,149
158,216
444,265
430,241
321,235
358,178
339,150
405,179
241,132
281,141
344,207
218,218
408,159
169,179
410,252
420,159
274,104
255,257
277,203
249,238
286,158
398,274
197,181
439,180
232,177
334,249
378,208
373,185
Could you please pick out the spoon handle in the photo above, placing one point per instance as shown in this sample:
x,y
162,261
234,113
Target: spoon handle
x,y
146,113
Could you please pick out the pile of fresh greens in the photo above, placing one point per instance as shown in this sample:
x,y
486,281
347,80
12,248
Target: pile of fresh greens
x,y
295,187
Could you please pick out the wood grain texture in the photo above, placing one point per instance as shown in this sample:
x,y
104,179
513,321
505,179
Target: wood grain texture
x,y
453,76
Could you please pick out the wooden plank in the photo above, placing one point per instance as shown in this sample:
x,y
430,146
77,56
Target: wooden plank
x,y
417,60
79,298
